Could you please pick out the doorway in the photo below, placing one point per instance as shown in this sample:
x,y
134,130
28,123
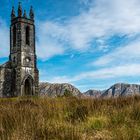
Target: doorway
x,y
28,86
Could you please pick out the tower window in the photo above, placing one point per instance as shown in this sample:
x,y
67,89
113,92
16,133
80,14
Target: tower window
x,y
14,35
27,35
14,59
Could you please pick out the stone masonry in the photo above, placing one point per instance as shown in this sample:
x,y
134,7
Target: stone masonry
x,y
20,76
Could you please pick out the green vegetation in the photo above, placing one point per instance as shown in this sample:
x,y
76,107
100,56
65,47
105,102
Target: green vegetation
x,y
67,93
69,118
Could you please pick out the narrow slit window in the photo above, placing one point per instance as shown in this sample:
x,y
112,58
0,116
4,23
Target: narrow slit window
x,y
27,35
14,36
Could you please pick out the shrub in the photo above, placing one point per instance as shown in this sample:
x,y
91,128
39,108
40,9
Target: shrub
x,y
67,93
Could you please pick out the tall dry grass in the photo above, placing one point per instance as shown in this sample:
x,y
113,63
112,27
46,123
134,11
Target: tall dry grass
x,y
70,119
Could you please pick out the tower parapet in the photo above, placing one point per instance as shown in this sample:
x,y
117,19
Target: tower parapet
x,y
21,14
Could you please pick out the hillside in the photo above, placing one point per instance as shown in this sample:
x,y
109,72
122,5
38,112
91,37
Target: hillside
x,y
55,90
117,90
122,89
93,93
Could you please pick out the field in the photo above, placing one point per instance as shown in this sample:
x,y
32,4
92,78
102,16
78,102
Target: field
x,y
70,119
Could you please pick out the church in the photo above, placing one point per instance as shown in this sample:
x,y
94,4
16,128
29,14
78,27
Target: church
x,y
20,76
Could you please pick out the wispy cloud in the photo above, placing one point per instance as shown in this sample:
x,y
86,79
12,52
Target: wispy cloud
x,y
88,32
104,73
123,55
103,19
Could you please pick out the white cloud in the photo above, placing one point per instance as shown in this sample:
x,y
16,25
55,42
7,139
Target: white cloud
x,y
104,73
61,79
104,18
4,39
48,49
122,55
113,72
48,45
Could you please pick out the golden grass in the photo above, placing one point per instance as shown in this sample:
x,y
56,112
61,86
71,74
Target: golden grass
x,y
70,119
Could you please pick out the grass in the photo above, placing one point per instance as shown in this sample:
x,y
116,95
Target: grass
x,y
70,119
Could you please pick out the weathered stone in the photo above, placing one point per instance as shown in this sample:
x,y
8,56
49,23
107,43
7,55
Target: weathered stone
x,y
20,76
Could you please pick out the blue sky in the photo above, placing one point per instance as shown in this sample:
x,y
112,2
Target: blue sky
x,y
91,44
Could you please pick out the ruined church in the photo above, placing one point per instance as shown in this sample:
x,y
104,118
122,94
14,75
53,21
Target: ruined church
x,y
20,76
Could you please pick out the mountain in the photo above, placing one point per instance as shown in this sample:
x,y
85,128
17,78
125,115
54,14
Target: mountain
x,y
121,89
117,90
93,93
54,90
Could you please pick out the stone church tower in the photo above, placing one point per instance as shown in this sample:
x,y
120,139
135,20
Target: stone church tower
x,y
20,76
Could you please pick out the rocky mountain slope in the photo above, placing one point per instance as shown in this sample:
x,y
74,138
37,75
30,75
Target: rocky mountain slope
x,y
54,90
122,89
119,89
93,93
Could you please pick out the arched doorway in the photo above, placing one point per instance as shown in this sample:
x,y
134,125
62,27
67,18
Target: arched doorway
x,y
28,87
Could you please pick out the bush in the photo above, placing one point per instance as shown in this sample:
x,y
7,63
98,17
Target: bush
x,y
67,93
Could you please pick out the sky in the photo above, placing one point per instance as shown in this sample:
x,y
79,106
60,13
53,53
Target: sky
x,y
91,44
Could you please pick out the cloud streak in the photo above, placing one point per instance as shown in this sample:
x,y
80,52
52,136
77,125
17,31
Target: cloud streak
x,y
122,55
104,73
103,19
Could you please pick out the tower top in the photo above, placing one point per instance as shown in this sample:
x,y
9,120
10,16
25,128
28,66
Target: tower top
x,y
24,15
21,14
31,13
19,10
13,13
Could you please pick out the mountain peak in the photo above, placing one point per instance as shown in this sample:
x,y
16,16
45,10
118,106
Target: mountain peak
x,y
56,89
116,90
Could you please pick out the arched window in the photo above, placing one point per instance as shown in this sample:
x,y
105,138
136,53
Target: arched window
x,y
28,86
27,35
14,35
14,59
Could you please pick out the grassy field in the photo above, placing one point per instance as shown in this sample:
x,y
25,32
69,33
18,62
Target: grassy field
x,y
70,119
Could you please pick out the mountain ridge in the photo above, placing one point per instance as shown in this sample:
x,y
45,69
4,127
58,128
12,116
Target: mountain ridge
x,y
116,90
56,89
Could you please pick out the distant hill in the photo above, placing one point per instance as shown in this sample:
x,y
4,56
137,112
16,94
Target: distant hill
x,y
117,90
122,89
93,93
54,90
